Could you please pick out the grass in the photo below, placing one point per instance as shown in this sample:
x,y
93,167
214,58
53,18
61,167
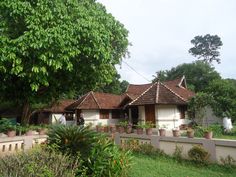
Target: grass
x,y
147,166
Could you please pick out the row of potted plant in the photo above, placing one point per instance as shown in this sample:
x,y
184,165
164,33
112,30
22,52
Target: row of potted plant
x,y
207,132
127,127
11,129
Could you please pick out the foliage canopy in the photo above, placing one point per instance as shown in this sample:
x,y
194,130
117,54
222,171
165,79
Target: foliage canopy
x,y
206,47
198,74
48,48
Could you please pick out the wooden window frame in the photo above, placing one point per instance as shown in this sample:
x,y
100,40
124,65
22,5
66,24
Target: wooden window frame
x,y
104,114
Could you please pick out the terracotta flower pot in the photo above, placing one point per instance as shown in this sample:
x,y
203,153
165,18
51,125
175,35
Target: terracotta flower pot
x,y
190,134
42,131
11,133
121,129
98,128
148,131
129,129
175,133
112,129
162,132
29,133
139,131
208,135
106,129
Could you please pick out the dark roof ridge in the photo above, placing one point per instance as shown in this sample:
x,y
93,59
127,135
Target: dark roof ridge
x,y
173,92
143,93
86,95
157,91
95,99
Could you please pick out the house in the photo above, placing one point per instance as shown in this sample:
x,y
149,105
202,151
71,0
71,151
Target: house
x,y
164,104
52,114
98,108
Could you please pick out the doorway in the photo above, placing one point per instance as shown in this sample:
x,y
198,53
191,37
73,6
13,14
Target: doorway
x,y
134,115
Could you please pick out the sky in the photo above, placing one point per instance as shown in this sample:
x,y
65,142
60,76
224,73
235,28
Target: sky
x,y
161,30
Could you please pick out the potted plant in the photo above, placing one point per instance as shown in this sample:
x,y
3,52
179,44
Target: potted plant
x,y
99,127
122,126
28,130
105,128
175,132
20,130
208,134
42,129
8,127
148,127
190,133
140,127
129,128
112,128
162,130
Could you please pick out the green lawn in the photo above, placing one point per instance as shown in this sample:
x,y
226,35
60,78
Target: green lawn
x,y
145,166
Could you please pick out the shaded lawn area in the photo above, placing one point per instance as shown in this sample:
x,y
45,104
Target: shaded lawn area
x,y
145,166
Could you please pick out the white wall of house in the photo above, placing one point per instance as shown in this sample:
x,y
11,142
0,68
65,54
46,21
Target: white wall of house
x,y
167,116
54,118
92,116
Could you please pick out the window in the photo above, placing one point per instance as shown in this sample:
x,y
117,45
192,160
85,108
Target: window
x,y
182,110
104,114
116,114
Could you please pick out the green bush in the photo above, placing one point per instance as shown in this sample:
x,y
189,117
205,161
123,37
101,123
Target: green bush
x,y
177,155
99,155
6,124
72,140
228,161
106,159
37,163
145,148
199,154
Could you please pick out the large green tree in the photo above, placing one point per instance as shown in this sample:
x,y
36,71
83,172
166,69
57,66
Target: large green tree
x,y
115,87
198,74
223,93
49,48
206,47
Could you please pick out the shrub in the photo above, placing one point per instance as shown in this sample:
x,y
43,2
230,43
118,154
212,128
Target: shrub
x,y
146,149
72,139
38,163
178,153
106,159
199,154
228,161
99,155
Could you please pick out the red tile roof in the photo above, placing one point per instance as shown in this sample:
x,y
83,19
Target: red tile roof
x,y
59,106
179,87
158,93
135,90
169,92
96,100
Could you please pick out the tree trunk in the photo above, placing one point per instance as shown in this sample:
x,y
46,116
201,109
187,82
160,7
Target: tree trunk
x,y
26,113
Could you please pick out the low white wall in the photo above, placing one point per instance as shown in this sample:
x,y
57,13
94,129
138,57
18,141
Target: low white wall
x,y
10,145
216,147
